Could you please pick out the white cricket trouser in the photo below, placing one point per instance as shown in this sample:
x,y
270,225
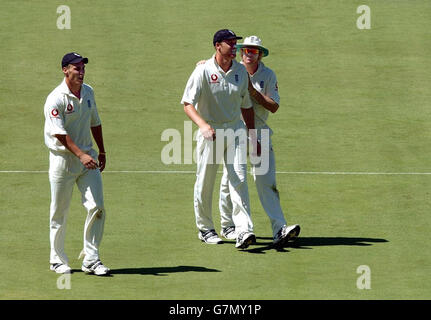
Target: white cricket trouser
x,y
234,157
65,170
267,190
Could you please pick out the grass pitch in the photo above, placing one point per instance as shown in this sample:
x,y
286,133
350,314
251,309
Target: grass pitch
x,y
352,101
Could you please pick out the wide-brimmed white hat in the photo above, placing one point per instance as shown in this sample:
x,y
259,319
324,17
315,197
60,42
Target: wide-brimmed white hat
x,y
253,41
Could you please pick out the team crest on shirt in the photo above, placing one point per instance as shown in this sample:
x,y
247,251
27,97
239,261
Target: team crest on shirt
x,y
214,78
262,84
88,104
236,78
69,109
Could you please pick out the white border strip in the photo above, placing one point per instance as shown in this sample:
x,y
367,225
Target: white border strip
x,y
278,172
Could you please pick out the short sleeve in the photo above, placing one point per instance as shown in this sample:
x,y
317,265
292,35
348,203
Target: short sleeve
x,y
272,89
193,88
54,116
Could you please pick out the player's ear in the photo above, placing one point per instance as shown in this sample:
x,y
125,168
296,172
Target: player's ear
x,y
65,70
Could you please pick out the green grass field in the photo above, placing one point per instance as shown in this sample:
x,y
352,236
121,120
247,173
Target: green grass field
x,y
352,101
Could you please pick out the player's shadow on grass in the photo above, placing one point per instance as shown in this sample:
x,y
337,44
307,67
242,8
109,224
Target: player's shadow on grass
x,y
161,271
310,242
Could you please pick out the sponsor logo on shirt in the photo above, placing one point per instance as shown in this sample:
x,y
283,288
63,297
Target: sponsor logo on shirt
x,y
54,113
214,78
88,104
236,78
69,109
261,84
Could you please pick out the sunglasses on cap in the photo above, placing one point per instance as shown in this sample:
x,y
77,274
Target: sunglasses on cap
x,y
250,50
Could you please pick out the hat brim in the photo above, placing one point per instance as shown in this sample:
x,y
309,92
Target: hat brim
x,y
264,50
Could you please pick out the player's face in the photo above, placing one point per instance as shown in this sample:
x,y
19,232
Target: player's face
x,y
250,55
228,48
75,73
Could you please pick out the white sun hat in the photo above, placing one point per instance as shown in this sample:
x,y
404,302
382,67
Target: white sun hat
x,y
253,41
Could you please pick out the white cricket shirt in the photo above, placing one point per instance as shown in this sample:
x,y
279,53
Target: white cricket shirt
x,y
218,96
264,81
66,114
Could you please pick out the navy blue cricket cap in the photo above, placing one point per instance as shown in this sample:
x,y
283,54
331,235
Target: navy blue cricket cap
x,y
224,34
71,58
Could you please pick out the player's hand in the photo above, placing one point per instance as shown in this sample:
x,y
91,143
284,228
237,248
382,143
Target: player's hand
x,y
102,162
208,132
251,90
257,149
88,161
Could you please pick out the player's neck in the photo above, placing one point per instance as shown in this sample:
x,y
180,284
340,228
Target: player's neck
x,y
75,89
252,67
223,62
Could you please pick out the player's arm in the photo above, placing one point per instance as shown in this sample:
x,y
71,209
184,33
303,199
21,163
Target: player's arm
x,y
98,137
85,159
263,100
248,116
207,131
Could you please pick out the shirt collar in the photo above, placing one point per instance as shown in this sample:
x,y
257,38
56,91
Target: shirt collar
x,y
216,65
64,89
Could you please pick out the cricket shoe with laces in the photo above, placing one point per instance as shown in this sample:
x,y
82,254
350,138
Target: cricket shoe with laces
x,y
244,239
286,233
228,233
60,268
210,237
97,268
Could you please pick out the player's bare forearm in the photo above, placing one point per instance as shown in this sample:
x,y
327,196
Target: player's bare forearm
x,y
85,159
98,137
67,141
207,131
263,100
248,116
193,115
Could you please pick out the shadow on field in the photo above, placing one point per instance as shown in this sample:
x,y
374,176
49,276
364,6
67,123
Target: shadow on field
x,y
160,271
305,242
309,242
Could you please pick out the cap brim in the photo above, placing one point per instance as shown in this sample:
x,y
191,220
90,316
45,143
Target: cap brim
x,y
230,38
78,60
264,50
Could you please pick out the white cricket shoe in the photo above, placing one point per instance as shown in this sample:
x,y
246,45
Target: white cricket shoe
x,y
60,268
287,233
228,233
210,237
97,268
244,239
